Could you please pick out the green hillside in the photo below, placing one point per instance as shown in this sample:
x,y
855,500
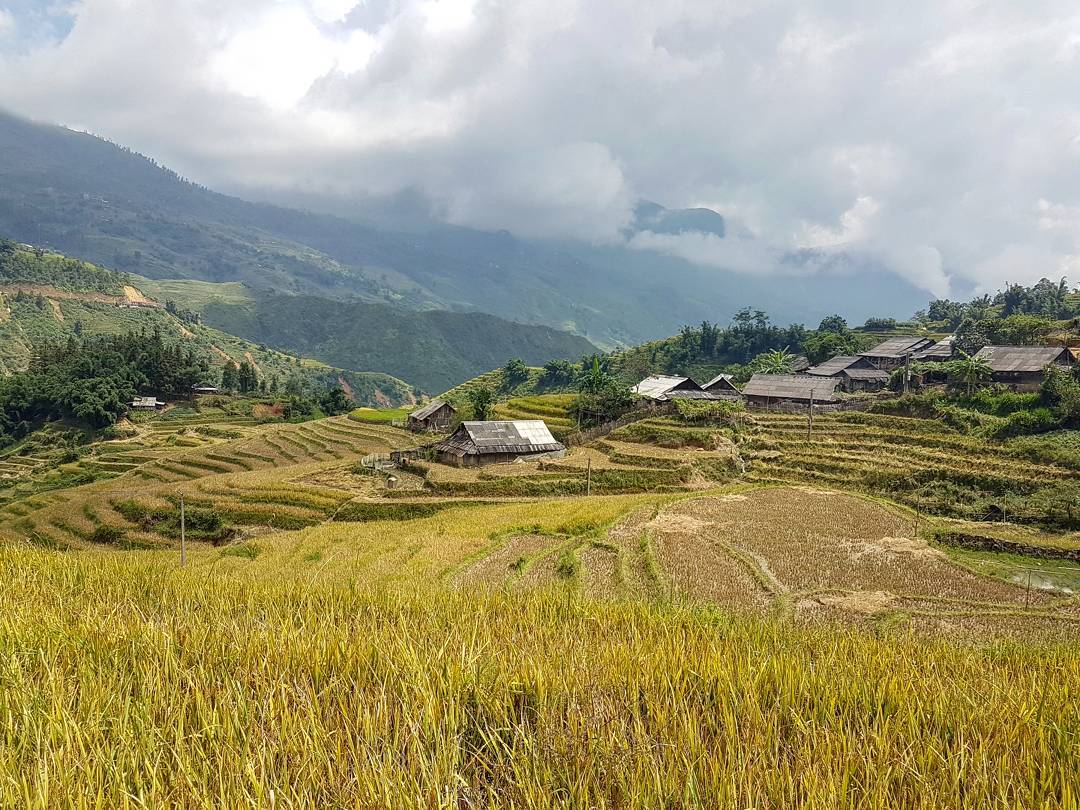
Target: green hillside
x,y
433,350
47,298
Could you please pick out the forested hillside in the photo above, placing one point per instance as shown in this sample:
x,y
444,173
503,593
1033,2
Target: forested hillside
x,y
433,350
46,299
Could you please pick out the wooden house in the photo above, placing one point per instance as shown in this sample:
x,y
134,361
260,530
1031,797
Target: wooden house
x,y
798,389
147,403
436,416
854,373
940,352
1021,368
661,388
895,351
476,444
722,385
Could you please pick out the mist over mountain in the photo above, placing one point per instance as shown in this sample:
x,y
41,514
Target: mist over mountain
x,y
91,198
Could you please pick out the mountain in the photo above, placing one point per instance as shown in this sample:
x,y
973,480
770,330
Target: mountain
x,y
434,349
88,197
47,298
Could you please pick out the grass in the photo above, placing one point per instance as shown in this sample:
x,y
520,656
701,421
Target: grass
x,y
380,416
128,678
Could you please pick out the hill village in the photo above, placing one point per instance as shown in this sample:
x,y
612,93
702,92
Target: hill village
x,y
841,383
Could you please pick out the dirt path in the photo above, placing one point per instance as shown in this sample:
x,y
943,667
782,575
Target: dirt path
x,y
57,312
47,291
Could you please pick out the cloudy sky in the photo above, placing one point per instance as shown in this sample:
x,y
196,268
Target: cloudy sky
x,y
937,138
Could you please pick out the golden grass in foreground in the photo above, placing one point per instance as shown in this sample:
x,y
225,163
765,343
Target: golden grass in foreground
x,y
130,683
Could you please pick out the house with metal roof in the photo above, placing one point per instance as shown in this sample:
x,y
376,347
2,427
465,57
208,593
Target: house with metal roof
x,y
855,373
800,363
1022,367
800,389
476,444
940,352
147,403
436,416
895,351
723,385
661,388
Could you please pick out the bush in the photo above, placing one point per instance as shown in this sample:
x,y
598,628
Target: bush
x,y
1027,423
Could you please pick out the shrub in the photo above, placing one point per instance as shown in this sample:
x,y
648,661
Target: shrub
x,y
1027,423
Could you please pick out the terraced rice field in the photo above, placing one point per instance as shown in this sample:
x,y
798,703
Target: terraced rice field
x,y
809,554
244,481
551,408
915,461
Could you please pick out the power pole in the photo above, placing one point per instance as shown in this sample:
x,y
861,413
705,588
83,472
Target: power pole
x,y
183,539
810,417
588,478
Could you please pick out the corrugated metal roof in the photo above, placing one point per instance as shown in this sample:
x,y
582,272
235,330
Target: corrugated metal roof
x,y
510,436
837,364
680,394
800,363
942,350
423,413
1020,358
866,374
145,402
898,347
721,382
792,386
656,385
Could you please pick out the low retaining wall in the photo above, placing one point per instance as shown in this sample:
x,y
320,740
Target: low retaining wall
x,y
976,542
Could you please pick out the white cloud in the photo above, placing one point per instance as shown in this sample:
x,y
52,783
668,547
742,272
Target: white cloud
x,y
7,23
940,139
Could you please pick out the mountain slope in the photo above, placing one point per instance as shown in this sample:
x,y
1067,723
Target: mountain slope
x,y
47,297
91,198
434,350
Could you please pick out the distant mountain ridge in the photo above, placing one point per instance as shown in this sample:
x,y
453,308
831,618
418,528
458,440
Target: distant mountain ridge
x,y
91,198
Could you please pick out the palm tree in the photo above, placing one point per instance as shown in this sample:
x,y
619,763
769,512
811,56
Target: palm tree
x,y
971,371
778,361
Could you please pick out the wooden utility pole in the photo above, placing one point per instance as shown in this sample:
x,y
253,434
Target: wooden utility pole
x,y
588,478
810,417
183,539
907,372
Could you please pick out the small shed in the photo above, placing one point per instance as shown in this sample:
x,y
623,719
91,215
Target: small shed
x,y
476,444
660,388
1021,367
436,416
147,403
800,363
799,389
722,384
855,373
205,389
895,351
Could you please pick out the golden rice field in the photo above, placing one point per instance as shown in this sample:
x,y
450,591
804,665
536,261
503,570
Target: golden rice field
x,y
691,635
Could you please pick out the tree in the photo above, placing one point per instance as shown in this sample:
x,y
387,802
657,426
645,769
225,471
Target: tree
x,y
481,399
777,361
229,376
246,378
601,396
833,323
515,372
971,371
335,401
557,373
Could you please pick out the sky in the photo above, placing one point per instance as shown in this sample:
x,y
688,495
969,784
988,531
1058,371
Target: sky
x,y
937,139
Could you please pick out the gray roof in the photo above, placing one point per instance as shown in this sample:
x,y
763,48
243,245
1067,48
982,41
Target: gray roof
x,y
145,402
835,365
657,385
898,347
800,363
942,350
866,374
721,382
792,386
427,410
510,436
690,394
1021,358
